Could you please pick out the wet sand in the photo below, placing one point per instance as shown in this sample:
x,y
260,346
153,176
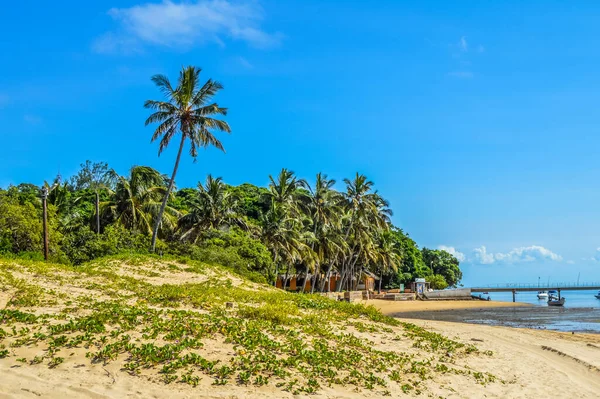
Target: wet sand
x,y
392,308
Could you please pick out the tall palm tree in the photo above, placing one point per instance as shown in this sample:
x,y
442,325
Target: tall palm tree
x,y
212,208
96,176
188,109
284,192
136,200
324,209
388,257
365,210
283,236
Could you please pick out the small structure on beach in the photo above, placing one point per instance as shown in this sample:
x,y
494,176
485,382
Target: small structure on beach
x,y
420,286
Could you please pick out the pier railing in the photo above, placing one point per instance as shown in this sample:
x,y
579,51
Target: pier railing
x,y
545,286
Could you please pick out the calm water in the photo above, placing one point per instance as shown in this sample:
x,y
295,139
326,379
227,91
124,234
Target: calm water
x,y
575,299
581,313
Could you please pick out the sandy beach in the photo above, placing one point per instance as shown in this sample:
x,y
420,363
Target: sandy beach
x,y
393,308
503,362
530,363
527,364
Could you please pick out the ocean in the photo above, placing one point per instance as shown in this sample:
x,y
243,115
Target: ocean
x,y
581,313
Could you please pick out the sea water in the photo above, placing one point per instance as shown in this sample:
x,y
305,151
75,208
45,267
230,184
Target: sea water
x,y
581,313
574,299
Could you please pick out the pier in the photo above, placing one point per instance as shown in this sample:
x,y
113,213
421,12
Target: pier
x,y
514,288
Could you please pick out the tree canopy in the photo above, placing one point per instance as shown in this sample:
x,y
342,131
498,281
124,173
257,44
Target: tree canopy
x,y
289,227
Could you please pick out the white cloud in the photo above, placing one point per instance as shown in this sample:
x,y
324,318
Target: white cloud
x,y
463,45
185,24
481,256
461,74
517,255
522,254
457,254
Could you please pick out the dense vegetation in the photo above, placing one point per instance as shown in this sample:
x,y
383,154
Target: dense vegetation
x,y
289,227
286,228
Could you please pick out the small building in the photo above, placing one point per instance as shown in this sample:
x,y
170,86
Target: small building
x,y
368,281
420,286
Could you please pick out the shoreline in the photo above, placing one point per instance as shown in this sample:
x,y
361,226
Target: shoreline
x,y
392,308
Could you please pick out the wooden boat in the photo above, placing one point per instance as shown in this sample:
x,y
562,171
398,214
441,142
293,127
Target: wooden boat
x,y
556,302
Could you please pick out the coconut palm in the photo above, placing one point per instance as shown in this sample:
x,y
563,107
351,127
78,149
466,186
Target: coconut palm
x,y
388,257
324,209
284,192
283,236
364,209
212,208
188,109
96,176
136,201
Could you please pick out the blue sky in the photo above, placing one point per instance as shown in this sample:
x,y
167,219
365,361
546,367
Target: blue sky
x,y
479,123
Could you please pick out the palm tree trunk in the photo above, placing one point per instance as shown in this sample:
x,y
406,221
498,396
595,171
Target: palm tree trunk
x,y
164,203
327,277
276,270
314,282
380,278
287,271
97,212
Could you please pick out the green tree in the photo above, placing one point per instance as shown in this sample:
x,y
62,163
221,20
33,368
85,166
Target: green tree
x,y
21,227
367,214
136,201
412,264
438,282
188,109
389,256
444,264
252,200
325,210
212,208
95,176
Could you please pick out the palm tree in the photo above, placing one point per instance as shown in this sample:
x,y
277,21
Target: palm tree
x,y
95,176
188,109
284,192
365,210
388,257
324,208
283,237
212,208
136,200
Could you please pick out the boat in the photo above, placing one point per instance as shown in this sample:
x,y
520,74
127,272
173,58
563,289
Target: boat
x,y
542,295
597,295
552,294
556,302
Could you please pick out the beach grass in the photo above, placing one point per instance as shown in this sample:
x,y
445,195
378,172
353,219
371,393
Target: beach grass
x,y
171,321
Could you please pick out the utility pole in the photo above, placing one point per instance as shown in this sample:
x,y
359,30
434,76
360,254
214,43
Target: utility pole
x,y
45,219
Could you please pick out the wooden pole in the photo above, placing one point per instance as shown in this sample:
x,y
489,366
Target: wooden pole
x,y
514,295
45,220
